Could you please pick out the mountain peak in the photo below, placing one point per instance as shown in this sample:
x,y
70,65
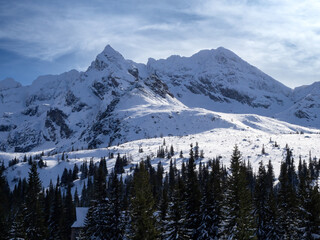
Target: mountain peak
x,y
110,53
207,54
9,83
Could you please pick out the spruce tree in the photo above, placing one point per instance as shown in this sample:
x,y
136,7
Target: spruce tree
x,y
4,206
209,223
163,208
56,216
175,221
118,167
18,227
260,198
231,205
84,170
97,223
196,151
171,151
142,209
271,218
245,223
238,212
172,172
75,172
34,216
314,217
69,213
115,215
92,167
193,197
76,198
287,201
309,212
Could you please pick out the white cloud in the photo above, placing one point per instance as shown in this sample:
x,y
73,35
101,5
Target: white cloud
x,y
279,37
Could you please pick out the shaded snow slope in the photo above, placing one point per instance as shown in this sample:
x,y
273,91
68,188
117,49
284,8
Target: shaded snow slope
x,y
9,83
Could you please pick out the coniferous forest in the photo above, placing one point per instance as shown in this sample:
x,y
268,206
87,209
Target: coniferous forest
x,y
195,201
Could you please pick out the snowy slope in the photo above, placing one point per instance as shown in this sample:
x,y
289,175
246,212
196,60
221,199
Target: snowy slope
x,y
305,110
116,101
215,143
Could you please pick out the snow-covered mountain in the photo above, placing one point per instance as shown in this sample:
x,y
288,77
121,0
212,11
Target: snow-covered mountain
x,y
117,100
221,81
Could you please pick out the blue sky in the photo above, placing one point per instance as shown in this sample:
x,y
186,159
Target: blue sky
x,y
49,37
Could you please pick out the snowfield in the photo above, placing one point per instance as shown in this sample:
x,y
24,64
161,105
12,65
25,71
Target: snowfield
x,y
249,132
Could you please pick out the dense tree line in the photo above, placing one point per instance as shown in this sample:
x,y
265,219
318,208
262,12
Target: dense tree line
x,y
195,201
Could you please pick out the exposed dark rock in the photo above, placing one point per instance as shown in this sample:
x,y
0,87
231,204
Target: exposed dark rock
x,y
233,94
214,98
108,127
98,89
112,82
193,89
100,65
51,129
78,107
31,111
109,110
71,99
25,149
134,72
39,97
24,141
58,117
301,114
157,86
7,128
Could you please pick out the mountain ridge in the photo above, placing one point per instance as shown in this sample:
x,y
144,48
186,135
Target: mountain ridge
x,y
117,100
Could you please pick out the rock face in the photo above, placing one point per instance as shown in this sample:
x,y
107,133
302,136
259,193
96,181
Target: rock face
x,y
117,100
